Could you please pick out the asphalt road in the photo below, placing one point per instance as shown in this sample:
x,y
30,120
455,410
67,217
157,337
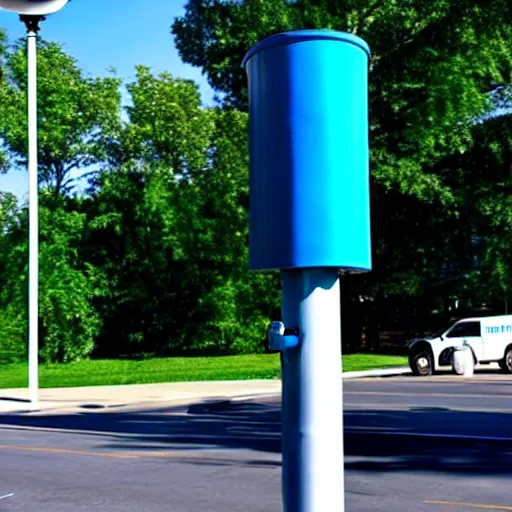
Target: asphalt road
x,y
411,444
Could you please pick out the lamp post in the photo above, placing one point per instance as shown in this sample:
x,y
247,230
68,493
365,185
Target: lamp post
x,y
32,12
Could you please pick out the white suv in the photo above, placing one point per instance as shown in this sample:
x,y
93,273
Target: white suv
x,y
490,340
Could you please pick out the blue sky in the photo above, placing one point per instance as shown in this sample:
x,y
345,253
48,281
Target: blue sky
x,y
111,33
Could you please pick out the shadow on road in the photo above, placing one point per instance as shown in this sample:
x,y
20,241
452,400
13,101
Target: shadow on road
x,y
421,439
12,399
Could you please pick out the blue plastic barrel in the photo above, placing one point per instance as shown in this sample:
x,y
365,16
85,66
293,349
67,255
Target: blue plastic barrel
x,y
309,179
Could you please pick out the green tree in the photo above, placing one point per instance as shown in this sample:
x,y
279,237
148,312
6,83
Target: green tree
x,y
166,123
483,181
77,114
168,224
235,304
436,68
77,117
13,321
433,66
130,236
68,322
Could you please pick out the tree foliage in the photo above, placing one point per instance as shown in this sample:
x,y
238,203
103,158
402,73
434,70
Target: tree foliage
x,y
68,322
77,114
437,69
171,219
152,259
433,65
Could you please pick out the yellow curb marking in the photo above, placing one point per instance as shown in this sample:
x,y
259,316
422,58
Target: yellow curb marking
x,y
66,452
482,506
141,454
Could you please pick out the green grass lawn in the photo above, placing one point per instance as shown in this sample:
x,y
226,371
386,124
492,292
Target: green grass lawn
x,y
176,369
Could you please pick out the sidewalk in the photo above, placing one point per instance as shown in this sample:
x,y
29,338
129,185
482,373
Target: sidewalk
x,y
148,395
100,397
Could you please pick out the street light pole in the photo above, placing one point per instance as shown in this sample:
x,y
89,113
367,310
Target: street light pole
x,y
32,24
32,12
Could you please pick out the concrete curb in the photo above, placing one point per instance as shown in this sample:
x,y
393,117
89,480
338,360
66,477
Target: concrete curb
x,y
380,372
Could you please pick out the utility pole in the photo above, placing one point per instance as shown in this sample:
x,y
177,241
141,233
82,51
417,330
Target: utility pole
x,y
310,217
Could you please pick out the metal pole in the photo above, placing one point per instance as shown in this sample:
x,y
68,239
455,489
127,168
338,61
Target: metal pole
x,y
312,395
32,24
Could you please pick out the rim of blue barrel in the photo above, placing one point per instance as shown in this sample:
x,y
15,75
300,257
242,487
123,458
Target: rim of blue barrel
x,y
300,36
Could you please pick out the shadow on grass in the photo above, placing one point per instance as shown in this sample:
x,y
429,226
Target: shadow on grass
x,y
420,439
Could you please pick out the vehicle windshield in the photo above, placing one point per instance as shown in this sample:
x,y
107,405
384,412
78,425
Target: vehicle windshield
x,y
439,332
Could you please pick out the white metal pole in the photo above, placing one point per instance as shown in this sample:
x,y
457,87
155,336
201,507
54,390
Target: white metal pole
x,y
33,264
313,465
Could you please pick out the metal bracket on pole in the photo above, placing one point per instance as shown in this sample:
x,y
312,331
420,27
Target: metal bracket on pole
x,y
280,338
32,21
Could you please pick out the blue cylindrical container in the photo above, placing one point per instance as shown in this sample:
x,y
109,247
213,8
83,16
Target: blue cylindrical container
x,y
309,180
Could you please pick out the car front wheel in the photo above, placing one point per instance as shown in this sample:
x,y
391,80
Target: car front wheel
x,y
422,364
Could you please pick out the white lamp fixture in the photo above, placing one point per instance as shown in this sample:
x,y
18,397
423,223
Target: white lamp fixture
x,y
33,7
32,12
